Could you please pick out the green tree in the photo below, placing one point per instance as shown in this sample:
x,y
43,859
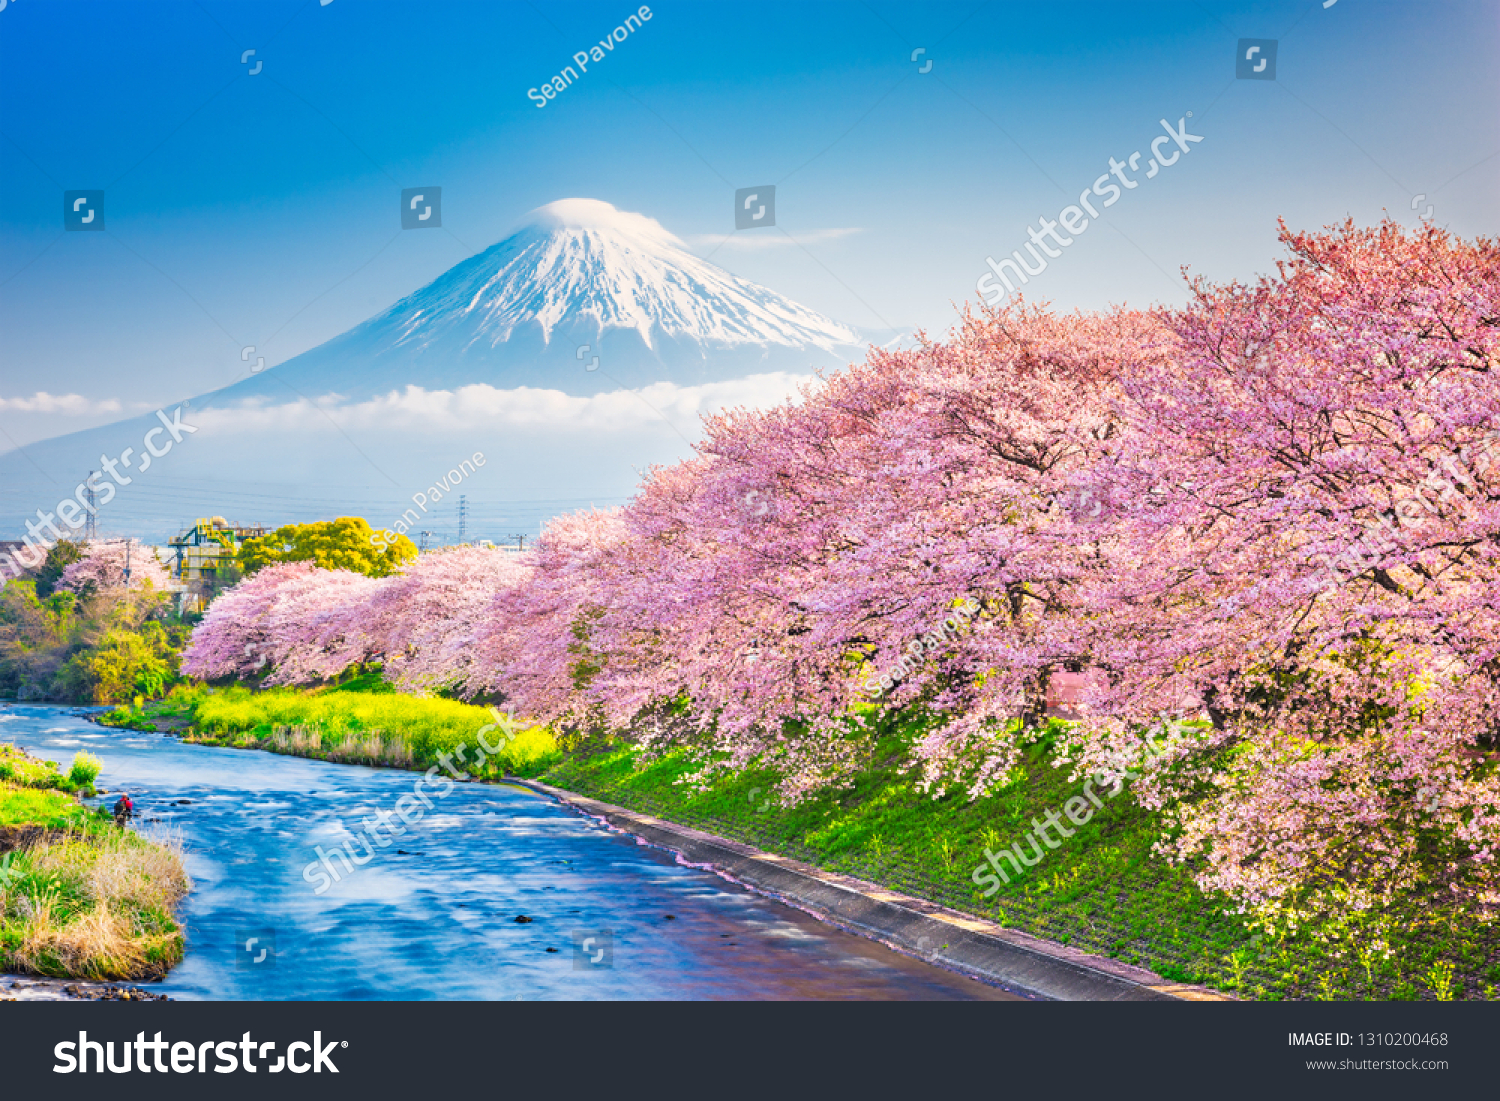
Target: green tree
x,y
125,664
62,555
99,647
342,544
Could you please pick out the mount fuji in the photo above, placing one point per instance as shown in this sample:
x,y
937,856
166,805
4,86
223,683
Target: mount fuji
x,y
578,279
578,350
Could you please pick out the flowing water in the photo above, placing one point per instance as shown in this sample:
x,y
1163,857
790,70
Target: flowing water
x,y
433,914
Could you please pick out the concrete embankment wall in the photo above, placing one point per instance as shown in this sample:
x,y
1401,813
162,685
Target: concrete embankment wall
x,y
914,926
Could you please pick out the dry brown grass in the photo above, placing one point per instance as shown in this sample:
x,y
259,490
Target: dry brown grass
x,y
95,905
373,747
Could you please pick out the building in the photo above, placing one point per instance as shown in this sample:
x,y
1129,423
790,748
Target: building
x,y
202,558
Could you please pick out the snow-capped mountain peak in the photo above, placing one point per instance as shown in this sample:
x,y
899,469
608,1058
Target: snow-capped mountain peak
x,y
582,260
598,215
600,304
579,297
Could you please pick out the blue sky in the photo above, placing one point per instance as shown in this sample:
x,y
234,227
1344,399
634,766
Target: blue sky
x,y
261,209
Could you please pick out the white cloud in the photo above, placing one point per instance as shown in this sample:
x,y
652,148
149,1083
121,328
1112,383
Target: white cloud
x,y
759,240
68,405
483,407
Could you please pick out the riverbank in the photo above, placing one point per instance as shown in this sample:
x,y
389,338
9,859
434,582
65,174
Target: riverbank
x,y
1098,894
16,988
362,721
1100,891
80,898
935,934
409,921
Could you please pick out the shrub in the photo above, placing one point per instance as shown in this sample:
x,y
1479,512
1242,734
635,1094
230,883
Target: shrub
x,y
85,769
127,664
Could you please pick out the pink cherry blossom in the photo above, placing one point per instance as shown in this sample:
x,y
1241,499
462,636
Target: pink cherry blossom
x,y
104,563
1273,514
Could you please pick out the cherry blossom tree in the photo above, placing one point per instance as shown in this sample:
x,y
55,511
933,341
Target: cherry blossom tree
x,y
1306,529
427,620
534,645
234,638
104,563
291,622
1270,518
809,548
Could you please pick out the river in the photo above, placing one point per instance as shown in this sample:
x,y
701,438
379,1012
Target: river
x,y
608,917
